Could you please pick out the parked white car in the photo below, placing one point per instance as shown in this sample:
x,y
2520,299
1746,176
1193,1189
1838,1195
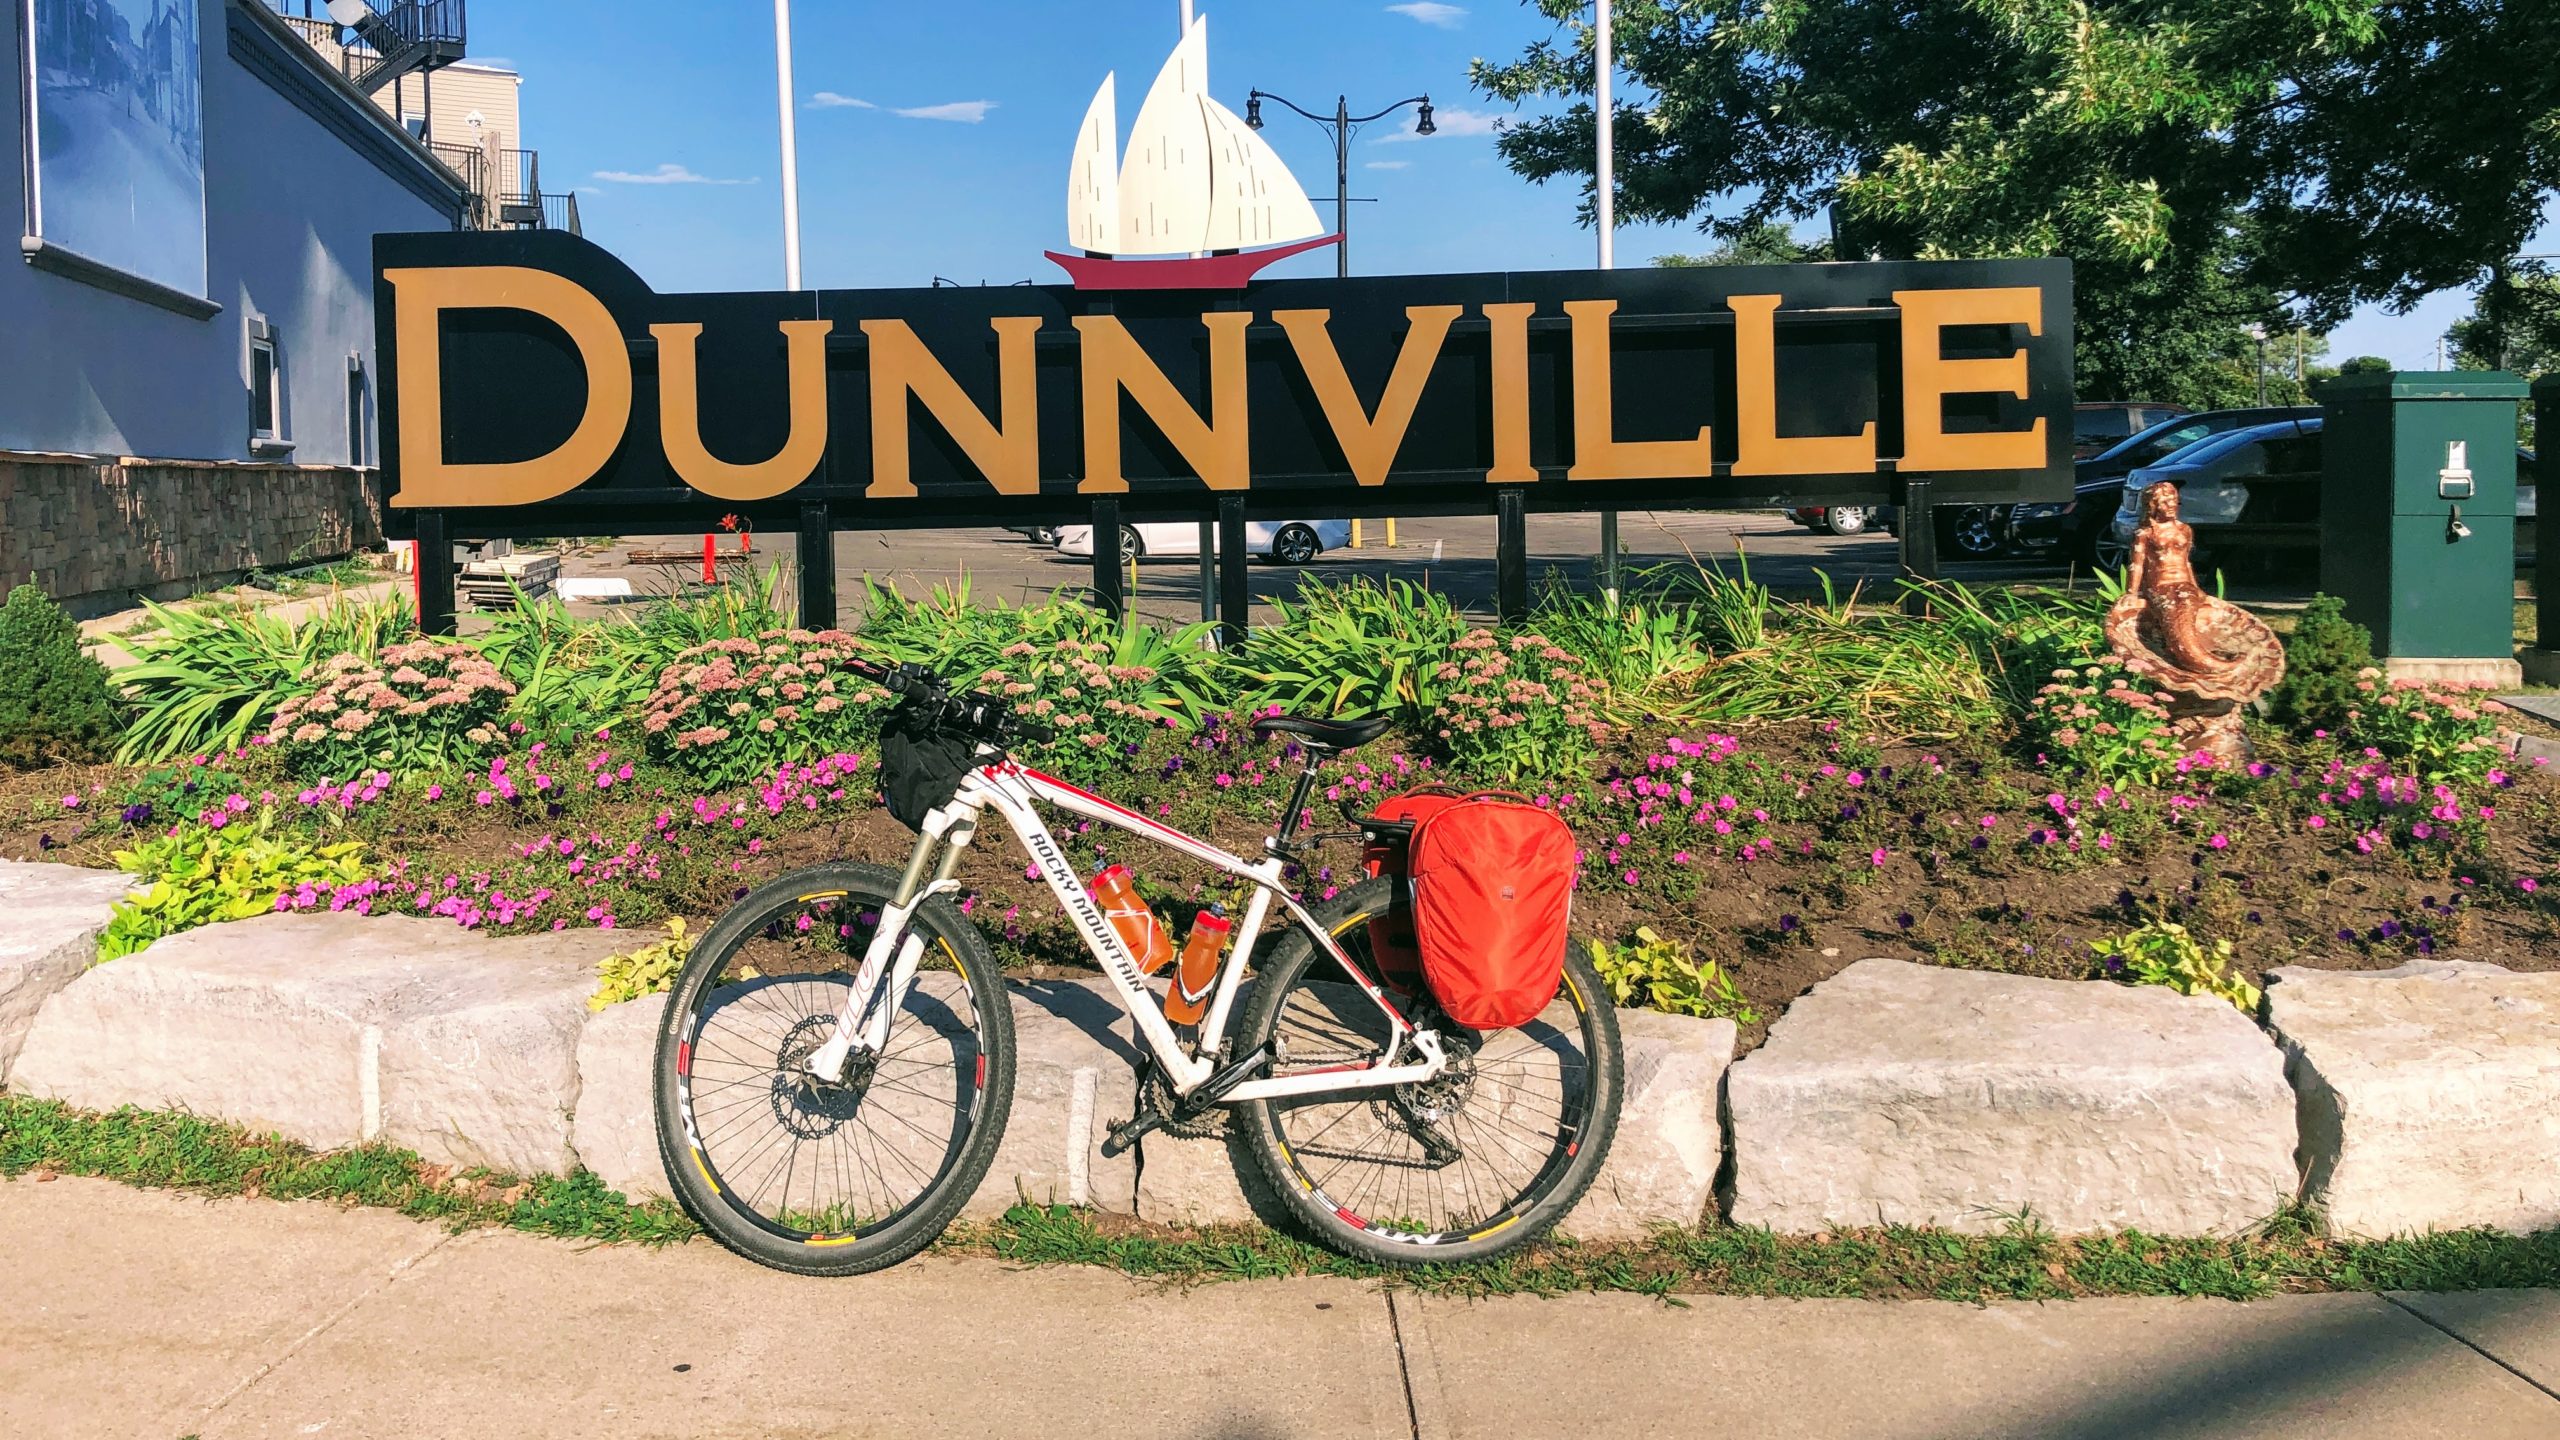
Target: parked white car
x,y
1282,542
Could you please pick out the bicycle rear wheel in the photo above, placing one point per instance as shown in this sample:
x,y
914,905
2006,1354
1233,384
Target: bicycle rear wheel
x,y
816,1177
1467,1166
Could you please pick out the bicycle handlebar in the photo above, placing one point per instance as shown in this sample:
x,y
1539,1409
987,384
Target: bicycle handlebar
x,y
989,717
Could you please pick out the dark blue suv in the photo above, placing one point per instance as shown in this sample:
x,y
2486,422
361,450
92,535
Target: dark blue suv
x,y
2077,527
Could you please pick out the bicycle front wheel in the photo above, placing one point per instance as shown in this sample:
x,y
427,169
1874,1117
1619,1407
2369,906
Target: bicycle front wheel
x,y
1471,1164
830,1177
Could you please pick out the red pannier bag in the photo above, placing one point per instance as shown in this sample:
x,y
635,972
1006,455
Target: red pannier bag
x,y
1391,937
1492,902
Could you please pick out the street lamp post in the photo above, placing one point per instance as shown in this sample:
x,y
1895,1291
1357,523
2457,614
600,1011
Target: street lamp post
x,y
1341,123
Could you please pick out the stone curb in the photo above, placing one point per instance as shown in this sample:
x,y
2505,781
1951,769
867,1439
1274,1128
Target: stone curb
x,y
2427,1097
2430,1094
1903,1094
56,913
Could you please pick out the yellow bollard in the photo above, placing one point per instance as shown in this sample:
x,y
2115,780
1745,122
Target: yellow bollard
x,y
1391,532
1355,534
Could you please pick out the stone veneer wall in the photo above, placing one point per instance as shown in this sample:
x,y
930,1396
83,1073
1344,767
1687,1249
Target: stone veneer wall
x,y
95,532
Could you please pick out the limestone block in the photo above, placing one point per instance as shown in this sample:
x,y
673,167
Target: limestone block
x,y
1662,1166
336,1029
55,913
615,1130
1072,1078
1896,1093
2430,1094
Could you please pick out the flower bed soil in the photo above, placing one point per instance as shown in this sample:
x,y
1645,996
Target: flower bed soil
x,y
1784,855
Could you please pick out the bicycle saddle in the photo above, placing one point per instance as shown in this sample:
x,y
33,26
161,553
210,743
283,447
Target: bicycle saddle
x,y
1326,735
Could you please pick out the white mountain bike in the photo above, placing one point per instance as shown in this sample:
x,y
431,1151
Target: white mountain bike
x,y
836,1065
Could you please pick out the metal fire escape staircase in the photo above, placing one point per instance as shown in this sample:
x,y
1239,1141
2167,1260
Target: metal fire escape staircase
x,y
394,38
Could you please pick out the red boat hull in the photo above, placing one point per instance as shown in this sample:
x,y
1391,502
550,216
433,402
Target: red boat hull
x,y
1205,272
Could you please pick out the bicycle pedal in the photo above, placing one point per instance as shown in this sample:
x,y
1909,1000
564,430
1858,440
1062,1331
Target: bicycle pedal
x,y
1117,1140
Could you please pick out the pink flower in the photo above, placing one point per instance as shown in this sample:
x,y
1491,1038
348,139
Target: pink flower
x,y
1877,855
70,802
2220,842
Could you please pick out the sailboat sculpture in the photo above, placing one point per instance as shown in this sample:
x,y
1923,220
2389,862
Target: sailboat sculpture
x,y
1198,193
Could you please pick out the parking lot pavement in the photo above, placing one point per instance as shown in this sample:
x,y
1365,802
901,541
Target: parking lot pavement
x,y
1452,556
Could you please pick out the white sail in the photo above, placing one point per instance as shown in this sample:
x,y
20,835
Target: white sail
x,y
1254,200
1165,178
1093,179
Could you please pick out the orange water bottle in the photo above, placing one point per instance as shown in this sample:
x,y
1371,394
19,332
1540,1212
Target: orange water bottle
x,y
1116,891
1193,980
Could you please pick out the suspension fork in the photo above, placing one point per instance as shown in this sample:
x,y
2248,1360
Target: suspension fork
x,y
896,948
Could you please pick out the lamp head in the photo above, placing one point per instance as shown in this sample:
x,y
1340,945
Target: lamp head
x,y
1422,123
1253,111
348,12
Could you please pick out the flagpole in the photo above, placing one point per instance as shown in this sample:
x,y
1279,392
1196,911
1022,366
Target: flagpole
x,y
1605,208
790,146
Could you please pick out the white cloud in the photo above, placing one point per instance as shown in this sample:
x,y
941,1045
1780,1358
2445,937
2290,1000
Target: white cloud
x,y
669,174
1430,12
1450,122
966,112
1390,165
830,100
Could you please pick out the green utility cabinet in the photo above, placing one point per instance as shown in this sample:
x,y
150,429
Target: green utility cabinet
x,y
2418,510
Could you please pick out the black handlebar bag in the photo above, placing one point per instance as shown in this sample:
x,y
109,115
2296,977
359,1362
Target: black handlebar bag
x,y
921,762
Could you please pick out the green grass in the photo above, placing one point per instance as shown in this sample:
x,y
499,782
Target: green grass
x,y
183,1152
2022,1262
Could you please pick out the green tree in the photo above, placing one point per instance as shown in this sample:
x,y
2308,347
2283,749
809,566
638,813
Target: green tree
x,y
2227,159
54,701
1772,243
2514,324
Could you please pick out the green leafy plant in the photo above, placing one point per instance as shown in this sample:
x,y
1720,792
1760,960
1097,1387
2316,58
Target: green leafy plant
x,y
2324,658
731,710
2162,952
427,702
2445,731
1664,975
2100,720
209,679
1648,654
202,876
649,970
1518,705
1351,648
54,700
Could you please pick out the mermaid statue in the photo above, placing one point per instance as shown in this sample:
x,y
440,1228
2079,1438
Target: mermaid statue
x,y
2210,656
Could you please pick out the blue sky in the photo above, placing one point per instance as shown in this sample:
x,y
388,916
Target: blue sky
x,y
934,139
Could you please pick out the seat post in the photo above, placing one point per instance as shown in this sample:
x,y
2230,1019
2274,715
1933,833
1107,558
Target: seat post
x,y
1290,818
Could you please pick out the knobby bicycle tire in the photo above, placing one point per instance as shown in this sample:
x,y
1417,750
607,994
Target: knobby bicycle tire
x,y
961,979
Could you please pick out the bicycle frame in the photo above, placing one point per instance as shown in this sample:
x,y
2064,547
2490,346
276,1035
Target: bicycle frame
x,y
1013,791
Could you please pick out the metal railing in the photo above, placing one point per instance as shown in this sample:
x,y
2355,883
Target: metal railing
x,y
560,212
520,187
395,38
472,164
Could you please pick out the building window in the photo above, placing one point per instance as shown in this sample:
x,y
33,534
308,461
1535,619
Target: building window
x,y
266,388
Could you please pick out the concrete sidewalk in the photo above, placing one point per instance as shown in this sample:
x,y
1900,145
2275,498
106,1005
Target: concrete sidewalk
x,y
145,1314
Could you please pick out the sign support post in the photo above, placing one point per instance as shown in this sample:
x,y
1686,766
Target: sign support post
x,y
1235,594
1919,545
1109,588
1511,555
435,574
817,564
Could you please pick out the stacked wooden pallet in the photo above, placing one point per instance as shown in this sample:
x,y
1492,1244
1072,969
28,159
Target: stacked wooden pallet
x,y
494,583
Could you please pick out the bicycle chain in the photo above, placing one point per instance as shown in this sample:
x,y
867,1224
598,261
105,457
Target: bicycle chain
x,y
1156,1095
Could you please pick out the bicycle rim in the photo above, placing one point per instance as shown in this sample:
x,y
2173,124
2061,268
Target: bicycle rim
x,y
807,1161
1499,1139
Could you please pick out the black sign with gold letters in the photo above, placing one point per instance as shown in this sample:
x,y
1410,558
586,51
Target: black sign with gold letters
x,y
533,384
